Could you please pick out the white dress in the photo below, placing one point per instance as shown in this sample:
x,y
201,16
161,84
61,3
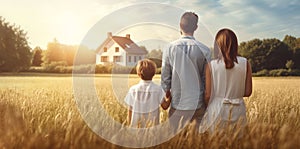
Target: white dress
x,y
226,105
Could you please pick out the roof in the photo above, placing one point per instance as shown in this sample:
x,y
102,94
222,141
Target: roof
x,y
126,43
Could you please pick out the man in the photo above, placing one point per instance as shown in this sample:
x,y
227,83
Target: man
x,y
182,78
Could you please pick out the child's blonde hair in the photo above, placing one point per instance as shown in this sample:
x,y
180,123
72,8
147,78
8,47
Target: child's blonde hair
x,y
146,69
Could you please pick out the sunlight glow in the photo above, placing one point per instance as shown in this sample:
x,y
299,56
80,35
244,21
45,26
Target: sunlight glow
x,y
69,27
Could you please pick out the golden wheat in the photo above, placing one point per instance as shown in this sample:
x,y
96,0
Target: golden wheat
x,y
40,112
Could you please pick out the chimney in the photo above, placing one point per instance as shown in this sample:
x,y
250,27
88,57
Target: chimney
x,y
128,36
109,34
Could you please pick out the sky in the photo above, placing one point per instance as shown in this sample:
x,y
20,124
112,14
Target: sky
x,y
75,22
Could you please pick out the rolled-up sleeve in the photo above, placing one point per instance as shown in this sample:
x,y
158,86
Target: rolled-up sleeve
x,y
166,71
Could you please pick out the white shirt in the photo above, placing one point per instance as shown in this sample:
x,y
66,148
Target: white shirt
x,y
145,99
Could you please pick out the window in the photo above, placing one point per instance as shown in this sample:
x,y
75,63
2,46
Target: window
x,y
134,58
129,58
105,49
104,58
140,57
117,58
117,49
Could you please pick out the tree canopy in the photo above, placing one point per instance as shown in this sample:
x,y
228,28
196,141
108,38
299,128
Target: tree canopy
x,y
156,56
294,46
37,56
57,52
272,53
15,51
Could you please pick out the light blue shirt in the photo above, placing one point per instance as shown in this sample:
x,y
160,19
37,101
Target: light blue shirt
x,y
183,72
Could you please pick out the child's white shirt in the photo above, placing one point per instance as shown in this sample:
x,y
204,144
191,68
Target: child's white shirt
x,y
145,99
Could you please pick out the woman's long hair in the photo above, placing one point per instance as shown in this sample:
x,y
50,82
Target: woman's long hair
x,y
226,46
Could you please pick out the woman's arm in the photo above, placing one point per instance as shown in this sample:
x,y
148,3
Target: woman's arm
x,y
248,84
207,84
129,115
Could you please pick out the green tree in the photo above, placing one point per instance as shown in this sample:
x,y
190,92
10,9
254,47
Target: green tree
x,y
278,54
294,46
69,53
254,52
37,56
57,52
156,54
289,64
54,53
15,51
290,41
296,57
265,54
84,56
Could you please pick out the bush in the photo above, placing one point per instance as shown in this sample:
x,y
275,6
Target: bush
x,y
101,69
122,70
54,67
279,72
65,69
294,72
61,67
158,62
104,69
35,69
85,69
263,72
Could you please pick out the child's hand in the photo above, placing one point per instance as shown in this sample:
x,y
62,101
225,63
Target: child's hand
x,y
167,101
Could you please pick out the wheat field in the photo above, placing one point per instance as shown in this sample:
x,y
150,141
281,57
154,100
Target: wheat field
x,y
40,112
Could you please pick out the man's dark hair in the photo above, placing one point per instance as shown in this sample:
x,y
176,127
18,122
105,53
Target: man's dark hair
x,y
188,22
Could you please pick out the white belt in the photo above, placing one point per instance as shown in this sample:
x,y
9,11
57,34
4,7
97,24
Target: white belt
x,y
235,101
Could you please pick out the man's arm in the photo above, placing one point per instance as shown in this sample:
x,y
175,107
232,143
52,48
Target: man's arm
x,y
207,84
166,71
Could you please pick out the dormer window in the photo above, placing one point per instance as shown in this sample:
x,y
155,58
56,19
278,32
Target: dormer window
x,y
127,46
105,49
117,49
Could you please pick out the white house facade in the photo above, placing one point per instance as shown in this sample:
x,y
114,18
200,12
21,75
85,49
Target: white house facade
x,y
119,50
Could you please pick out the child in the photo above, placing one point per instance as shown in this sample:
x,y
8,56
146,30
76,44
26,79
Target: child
x,y
145,97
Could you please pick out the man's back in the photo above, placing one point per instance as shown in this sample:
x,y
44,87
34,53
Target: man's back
x,y
183,72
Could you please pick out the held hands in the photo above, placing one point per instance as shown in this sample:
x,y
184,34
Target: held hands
x,y
168,96
167,101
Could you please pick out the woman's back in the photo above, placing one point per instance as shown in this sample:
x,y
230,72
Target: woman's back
x,y
229,83
228,80
226,104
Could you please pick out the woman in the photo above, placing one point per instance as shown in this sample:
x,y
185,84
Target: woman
x,y
228,80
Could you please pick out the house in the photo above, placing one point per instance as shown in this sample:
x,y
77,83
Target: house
x,y
119,50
